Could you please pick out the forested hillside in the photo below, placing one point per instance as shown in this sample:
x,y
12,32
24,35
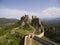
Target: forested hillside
x,y
52,30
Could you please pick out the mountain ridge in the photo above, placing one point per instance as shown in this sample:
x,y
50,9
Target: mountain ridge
x,y
7,20
56,20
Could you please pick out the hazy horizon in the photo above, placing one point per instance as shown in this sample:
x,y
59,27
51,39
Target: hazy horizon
x,y
43,9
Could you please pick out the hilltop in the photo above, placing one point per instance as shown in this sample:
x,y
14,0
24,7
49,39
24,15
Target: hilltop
x,y
13,34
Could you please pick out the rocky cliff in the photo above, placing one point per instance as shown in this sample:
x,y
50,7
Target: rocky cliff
x,y
34,21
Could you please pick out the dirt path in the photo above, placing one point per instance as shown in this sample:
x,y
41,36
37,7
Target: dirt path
x,y
30,42
32,34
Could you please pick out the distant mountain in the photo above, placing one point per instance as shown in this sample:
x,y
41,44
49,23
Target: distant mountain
x,y
56,20
7,20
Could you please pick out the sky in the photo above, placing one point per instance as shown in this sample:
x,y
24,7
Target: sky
x,y
45,9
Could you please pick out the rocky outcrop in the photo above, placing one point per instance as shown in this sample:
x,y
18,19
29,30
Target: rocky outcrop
x,y
35,21
25,20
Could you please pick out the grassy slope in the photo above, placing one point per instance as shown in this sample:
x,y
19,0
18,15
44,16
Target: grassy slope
x,y
13,35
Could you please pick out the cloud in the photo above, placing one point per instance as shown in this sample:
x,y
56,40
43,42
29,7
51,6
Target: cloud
x,y
13,13
47,13
50,13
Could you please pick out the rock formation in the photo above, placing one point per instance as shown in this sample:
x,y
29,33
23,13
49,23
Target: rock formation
x,y
35,20
25,20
